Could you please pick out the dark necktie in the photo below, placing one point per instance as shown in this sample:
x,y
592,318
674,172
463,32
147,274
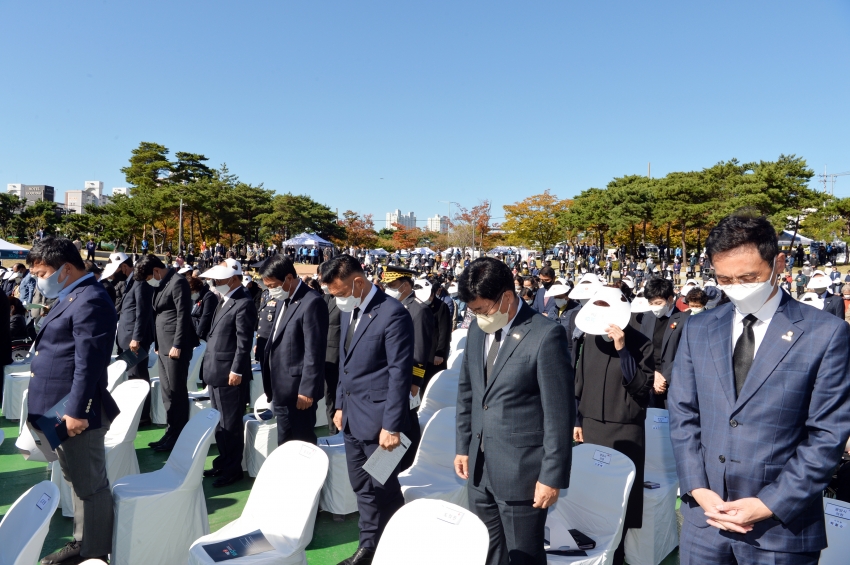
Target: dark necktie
x,y
492,354
279,317
351,328
745,350
218,308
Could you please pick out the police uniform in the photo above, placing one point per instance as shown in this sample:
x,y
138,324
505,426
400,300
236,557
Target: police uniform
x,y
264,323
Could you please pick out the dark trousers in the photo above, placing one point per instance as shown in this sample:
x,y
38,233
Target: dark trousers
x,y
261,347
140,371
331,382
414,434
295,424
230,401
709,545
376,502
516,527
175,396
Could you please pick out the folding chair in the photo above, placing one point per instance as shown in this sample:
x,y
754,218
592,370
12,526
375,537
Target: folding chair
x,y
837,516
455,359
441,393
337,495
260,429
25,525
458,342
116,373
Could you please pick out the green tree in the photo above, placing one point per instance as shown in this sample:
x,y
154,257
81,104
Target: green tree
x,y
10,210
534,220
292,214
631,203
590,211
683,200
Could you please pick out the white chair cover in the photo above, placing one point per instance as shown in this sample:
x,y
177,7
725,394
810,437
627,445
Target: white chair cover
x,y
337,495
116,374
458,340
282,505
256,388
432,474
25,525
595,503
157,515
158,415
659,534
837,516
453,534
455,359
193,380
26,442
14,385
260,437
441,393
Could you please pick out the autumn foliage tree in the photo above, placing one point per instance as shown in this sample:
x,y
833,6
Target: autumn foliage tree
x,y
471,227
359,232
534,221
406,238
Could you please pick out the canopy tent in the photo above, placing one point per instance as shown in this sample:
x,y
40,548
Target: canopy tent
x,y
379,252
785,238
424,251
12,251
503,249
309,239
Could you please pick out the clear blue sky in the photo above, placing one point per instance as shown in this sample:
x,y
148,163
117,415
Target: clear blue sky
x,y
460,101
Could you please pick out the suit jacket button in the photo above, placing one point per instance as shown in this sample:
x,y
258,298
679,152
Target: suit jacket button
x,y
722,459
733,423
478,436
36,352
32,374
345,371
485,407
347,393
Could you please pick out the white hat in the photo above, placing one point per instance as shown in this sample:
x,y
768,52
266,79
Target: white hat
x,y
235,265
819,283
452,288
586,287
640,304
710,282
8,275
812,299
557,289
246,279
629,282
185,269
818,272
606,307
115,260
829,264
219,272
422,289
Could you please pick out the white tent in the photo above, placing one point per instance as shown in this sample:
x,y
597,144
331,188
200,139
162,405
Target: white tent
x,y
308,239
785,238
12,251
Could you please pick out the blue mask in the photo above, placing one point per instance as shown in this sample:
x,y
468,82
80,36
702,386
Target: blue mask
x,y
51,287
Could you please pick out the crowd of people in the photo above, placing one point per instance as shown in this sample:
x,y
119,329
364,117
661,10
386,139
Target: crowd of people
x,y
559,351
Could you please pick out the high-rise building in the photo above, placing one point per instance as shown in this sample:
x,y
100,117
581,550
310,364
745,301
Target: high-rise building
x,y
76,200
36,193
438,223
408,221
123,190
17,189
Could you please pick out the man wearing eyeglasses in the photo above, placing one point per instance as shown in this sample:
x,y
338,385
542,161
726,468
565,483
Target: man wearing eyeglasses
x,y
516,403
758,416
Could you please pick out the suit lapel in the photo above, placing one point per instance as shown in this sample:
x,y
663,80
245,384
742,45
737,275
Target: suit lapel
x,y
221,311
510,340
290,310
675,318
720,346
60,307
163,286
782,334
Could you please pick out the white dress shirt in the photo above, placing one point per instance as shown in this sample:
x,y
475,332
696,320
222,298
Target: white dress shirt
x,y
488,338
363,304
280,317
764,315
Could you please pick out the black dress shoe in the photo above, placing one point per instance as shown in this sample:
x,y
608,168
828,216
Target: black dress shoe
x,y
227,480
363,556
165,447
212,472
69,554
160,441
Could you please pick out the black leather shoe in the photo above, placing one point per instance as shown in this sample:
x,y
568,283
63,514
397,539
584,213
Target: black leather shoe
x,y
227,480
160,441
212,472
166,446
363,556
69,555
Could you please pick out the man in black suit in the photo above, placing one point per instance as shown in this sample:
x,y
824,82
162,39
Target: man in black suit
x,y
516,398
663,325
819,284
227,369
331,358
135,319
174,339
294,358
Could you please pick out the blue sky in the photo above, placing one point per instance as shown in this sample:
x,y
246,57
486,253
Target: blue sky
x,y
460,101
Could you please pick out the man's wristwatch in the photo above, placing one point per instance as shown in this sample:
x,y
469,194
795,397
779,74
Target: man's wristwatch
x,y
391,433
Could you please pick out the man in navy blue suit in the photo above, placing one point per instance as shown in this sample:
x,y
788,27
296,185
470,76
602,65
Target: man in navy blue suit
x,y
759,410
71,353
373,394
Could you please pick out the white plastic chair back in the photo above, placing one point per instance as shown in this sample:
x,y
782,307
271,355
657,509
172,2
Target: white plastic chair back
x,y
152,357
458,342
25,525
660,461
115,374
455,535
194,440
595,504
130,397
437,446
291,479
837,515
455,359
260,406
195,366
441,393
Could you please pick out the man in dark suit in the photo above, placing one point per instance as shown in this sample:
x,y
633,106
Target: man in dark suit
x,y
331,358
135,318
373,395
294,357
663,325
516,398
174,338
72,351
227,369
832,304
441,344
758,411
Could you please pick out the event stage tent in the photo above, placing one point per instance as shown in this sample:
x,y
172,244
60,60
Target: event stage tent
x,y
786,236
308,239
12,251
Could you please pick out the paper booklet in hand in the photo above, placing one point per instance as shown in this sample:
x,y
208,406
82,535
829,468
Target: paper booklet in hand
x,y
53,426
382,463
132,359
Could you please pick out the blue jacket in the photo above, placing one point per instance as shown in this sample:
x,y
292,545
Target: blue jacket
x,y
27,288
374,376
781,439
72,351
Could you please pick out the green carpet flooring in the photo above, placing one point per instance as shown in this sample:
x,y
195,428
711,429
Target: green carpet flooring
x,y
332,541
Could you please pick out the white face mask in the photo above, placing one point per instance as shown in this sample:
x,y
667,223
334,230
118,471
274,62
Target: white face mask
x,y
325,289
51,287
154,282
491,323
749,299
659,309
278,293
349,303
560,302
195,296
696,310
393,293
222,289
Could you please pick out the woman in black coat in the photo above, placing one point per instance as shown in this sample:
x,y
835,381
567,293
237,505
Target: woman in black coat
x,y
614,375
204,303
17,320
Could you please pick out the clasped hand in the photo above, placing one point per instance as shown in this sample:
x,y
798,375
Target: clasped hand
x,y
733,516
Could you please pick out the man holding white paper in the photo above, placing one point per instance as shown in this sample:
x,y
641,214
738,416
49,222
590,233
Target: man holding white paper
x,y
373,394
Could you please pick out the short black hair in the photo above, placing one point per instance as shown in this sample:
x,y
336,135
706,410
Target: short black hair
x,y
19,267
698,296
340,267
657,287
485,277
145,266
740,229
278,267
55,252
547,271
92,267
17,306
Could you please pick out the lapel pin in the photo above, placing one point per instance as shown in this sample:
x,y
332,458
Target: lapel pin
x,y
515,335
370,315
788,336
673,325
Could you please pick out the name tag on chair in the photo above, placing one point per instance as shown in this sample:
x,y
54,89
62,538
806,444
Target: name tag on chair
x,y
661,420
306,451
450,515
837,511
42,502
601,458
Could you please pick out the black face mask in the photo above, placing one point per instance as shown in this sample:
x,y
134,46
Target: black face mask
x,y
546,285
119,277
